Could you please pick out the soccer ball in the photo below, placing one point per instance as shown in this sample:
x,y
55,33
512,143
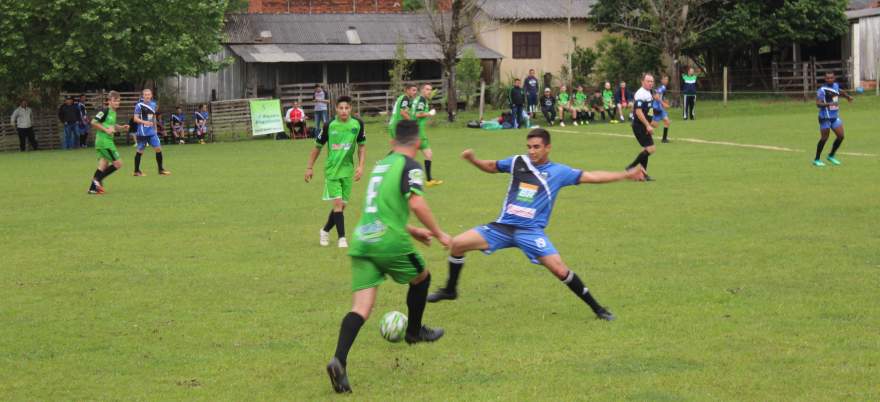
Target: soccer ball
x,y
393,326
860,90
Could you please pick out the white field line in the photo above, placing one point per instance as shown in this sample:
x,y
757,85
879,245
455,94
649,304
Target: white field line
x,y
699,141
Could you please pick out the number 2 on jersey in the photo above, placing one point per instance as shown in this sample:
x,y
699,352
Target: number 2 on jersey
x,y
372,192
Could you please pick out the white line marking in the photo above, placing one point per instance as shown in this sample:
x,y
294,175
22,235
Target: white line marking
x,y
699,141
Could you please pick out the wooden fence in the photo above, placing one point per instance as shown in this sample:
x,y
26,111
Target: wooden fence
x,y
805,77
47,130
367,97
230,119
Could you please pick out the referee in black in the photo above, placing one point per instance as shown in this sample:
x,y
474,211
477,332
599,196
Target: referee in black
x,y
641,123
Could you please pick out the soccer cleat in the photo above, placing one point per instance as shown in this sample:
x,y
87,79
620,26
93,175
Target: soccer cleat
x,y
834,161
201,141
425,335
325,238
138,174
338,378
613,121
648,178
164,172
435,182
561,124
93,191
182,142
575,123
442,294
665,141
606,315
818,163
343,243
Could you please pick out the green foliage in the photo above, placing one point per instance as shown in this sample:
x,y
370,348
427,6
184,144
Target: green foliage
x,y
467,74
237,6
618,59
412,5
106,41
400,69
583,61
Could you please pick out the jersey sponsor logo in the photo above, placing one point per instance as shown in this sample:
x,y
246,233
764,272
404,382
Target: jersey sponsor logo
x,y
100,115
372,232
337,147
355,130
522,212
527,192
381,169
540,242
415,177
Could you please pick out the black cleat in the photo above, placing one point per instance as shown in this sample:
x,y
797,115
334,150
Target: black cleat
x,y
665,141
442,294
606,315
648,178
425,335
338,378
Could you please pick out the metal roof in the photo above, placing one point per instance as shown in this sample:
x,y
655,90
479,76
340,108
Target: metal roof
x,y
536,10
865,12
329,28
293,53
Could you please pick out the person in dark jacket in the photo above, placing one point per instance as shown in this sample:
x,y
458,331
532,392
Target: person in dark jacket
x,y
69,115
548,106
623,99
517,98
689,92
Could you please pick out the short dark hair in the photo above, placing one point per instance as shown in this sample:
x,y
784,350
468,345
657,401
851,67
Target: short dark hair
x,y
406,132
517,80
544,135
410,85
344,98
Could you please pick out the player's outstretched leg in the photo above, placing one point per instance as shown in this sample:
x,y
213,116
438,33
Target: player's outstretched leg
x,y
817,161
835,146
569,278
137,162
416,298
362,304
159,162
325,231
461,244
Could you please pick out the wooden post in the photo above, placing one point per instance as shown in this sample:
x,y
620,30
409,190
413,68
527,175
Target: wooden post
x,y
482,98
775,69
725,85
877,76
358,103
805,73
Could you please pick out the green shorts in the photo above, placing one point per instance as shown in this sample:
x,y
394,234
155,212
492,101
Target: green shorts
x,y
337,188
425,144
109,153
369,272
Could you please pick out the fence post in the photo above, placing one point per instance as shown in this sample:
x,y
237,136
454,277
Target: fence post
x,y
482,97
775,69
358,95
805,73
877,76
725,85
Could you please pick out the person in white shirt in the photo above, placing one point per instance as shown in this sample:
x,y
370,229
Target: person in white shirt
x,y
296,121
641,123
22,120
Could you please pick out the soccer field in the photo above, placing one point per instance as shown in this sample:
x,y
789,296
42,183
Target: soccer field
x,y
742,273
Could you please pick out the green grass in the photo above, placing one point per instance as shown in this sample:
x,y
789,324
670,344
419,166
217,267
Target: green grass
x,y
740,274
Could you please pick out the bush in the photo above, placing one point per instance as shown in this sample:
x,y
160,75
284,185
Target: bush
x,y
618,59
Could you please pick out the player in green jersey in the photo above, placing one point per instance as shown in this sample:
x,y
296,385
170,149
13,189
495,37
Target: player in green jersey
x,y
341,135
402,109
608,102
421,105
105,126
579,106
382,246
563,104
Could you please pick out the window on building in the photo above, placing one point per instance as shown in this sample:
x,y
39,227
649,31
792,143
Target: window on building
x,y
526,45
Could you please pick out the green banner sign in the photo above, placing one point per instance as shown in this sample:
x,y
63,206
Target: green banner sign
x,y
266,116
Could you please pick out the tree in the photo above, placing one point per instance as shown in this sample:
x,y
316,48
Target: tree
x,y
449,30
467,74
618,59
106,41
400,69
583,60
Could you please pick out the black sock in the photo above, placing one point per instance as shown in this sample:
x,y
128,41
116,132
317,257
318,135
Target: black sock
x,y
455,266
645,162
159,160
574,283
641,159
98,174
96,177
330,221
351,324
415,302
819,147
110,169
428,168
137,162
603,115
339,219
835,145
665,132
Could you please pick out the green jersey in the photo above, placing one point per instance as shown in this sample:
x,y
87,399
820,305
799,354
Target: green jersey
x,y
608,97
580,98
107,119
420,105
342,137
402,103
562,99
382,228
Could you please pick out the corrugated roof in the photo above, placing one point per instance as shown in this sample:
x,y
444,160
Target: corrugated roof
x,y
536,10
291,53
865,12
329,28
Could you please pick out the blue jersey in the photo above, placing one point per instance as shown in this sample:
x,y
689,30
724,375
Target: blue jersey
x,y
201,117
658,104
533,190
829,94
147,112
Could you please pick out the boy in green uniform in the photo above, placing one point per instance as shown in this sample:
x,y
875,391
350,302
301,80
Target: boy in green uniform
x,y
342,134
421,108
608,102
382,246
105,125
402,106
563,104
579,106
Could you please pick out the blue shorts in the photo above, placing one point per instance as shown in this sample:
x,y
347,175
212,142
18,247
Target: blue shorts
x,y
660,114
830,124
532,242
153,140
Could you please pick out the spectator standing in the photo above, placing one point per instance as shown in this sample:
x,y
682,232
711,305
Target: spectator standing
x,y
296,121
689,91
623,98
23,121
531,86
82,128
68,113
516,98
548,106
322,101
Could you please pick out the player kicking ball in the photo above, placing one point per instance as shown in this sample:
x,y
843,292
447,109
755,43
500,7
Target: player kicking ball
x,y
105,126
382,246
342,134
827,100
534,186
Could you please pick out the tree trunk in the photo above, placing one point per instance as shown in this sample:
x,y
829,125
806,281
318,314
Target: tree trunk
x,y
451,95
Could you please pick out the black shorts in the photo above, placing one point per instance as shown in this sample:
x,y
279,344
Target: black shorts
x,y
642,136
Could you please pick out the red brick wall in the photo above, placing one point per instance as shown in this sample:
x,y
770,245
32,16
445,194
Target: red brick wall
x,y
324,6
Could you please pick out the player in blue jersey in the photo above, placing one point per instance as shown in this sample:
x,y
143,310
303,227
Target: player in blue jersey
x,y
534,185
660,106
145,118
827,100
